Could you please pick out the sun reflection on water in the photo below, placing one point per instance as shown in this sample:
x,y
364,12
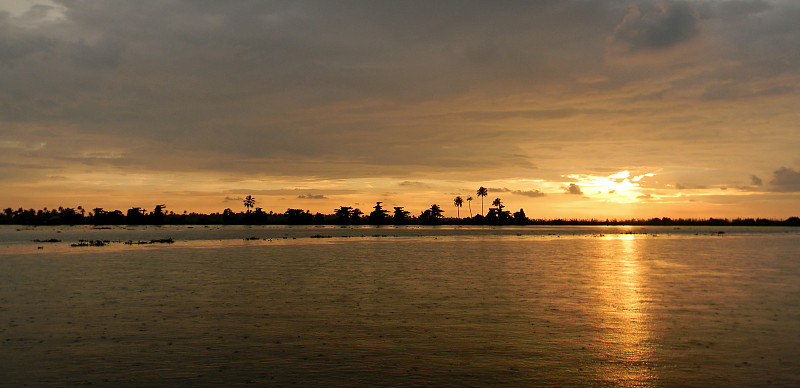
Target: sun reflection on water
x,y
625,339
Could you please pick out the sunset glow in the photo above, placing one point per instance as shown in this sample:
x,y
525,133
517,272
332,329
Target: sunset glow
x,y
565,109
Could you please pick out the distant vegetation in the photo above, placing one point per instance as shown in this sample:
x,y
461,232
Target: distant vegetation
x,y
344,215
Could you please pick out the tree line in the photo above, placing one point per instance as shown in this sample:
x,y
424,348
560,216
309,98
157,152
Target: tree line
x,y
344,215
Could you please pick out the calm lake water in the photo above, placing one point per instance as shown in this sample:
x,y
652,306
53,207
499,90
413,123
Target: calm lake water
x,y
401,306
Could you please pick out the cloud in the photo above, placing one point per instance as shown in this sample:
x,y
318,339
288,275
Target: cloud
x,y
498,189
736,10
412,184
311,196
786,179
233,199
756,181
573,189
661,26
17,145
529,193
101,55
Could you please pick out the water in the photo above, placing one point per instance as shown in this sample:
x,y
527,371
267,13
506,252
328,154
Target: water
x,y
405,306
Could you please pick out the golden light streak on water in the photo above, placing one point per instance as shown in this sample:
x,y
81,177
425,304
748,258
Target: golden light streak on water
x,y
626,338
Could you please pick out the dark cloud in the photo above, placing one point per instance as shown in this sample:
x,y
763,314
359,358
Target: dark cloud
x,y
756,181
529,193
573,189
412,184
16,45
659,26
498,189
761,35
734,92
785,179
736,10
311,196
101,55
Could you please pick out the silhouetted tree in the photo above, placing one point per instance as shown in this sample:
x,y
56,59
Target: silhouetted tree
x,y
379,215
356,215
469,204
227,215
400,216
432,215
298,216
258,217
158,214
520,217
135,216
115,217
498,203
343,214
436,211
458,202
249,202
482,192
159,210
67,215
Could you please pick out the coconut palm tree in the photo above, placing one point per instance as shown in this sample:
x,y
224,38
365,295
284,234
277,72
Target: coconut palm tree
x,y
249,202
469,204
498,203
482,192
458,202
436,211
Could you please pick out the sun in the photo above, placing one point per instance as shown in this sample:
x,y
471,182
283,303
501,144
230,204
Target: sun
x,y
621,187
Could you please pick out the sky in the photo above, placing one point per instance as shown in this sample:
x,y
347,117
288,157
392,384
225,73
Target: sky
x,y
564,108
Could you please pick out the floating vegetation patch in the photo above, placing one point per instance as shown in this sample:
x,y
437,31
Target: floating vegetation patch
x,y
52,240
156,241
90,243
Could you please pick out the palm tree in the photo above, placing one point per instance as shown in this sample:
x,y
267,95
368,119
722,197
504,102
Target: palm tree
x,y
249,202
482,192
497,202
469,204
458,202
436,211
